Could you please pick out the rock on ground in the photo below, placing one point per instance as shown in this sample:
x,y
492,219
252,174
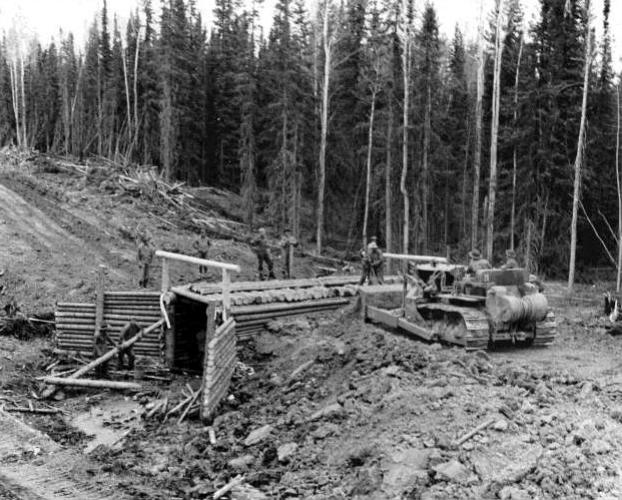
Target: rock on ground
x,y
258,435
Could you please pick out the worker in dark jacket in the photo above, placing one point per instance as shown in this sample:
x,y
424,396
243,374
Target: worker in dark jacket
x,y
100,347
127,332
202,246
262,251
145,256
373,263
376,260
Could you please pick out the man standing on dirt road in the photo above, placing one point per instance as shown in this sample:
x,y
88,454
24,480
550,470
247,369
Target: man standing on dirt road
x,y
262,251
145,257
202,246
127,332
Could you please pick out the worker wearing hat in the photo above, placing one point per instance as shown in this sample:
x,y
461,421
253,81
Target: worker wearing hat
x,y
510,260
373,263
477,262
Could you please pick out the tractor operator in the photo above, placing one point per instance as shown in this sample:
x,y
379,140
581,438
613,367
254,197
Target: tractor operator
x,y
477,262
510,260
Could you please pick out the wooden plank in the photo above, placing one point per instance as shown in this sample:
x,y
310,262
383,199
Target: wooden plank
x,y
382,316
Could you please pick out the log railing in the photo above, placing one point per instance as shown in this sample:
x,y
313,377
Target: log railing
x,y
225,267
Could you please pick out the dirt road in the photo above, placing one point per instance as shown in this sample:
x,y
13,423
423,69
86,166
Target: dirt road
x,y
44,262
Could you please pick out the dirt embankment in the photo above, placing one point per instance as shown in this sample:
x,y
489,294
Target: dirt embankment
x,y
342,409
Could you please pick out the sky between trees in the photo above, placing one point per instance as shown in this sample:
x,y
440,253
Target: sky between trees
x,y
45,17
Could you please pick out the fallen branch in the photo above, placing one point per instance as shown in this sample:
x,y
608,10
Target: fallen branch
x,y
472,433
299,370
177,408
112,353
194,398
104,384
228,487
42,411
45,321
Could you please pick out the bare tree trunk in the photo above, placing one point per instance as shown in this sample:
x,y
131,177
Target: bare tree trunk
x,y
477,156
23,98
127,99
425,168
135,134
370,145
619,273
514,153
578,163
406,69
388,231
494,135
15,100
328,48
528,238
463,223
166,125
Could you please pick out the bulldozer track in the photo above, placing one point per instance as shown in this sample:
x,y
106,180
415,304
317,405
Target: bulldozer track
x,y
546,331
51,472
475,323
48,483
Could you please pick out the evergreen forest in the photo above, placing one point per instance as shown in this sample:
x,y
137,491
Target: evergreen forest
x,y
350,118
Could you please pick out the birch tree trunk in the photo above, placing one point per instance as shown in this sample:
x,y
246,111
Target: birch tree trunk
x,y
494,136
15,100
135,133
370,145
514,153
328,48
425,168
388,230
619,273
406,36
128,105
23,99
477,155
463,222
579,158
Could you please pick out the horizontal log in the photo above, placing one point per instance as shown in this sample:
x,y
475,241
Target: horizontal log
x,y
244,310
75,305
195,260
416,258
270,315
249,286
107,316
100,384
220,387
137,294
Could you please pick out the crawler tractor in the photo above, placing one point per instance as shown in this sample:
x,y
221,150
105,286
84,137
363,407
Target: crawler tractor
x,y
439,302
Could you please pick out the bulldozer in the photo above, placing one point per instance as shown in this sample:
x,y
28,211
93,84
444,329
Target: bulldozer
x,y
441,302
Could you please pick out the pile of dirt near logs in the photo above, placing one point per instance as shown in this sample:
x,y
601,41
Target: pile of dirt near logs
x,y
341,409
